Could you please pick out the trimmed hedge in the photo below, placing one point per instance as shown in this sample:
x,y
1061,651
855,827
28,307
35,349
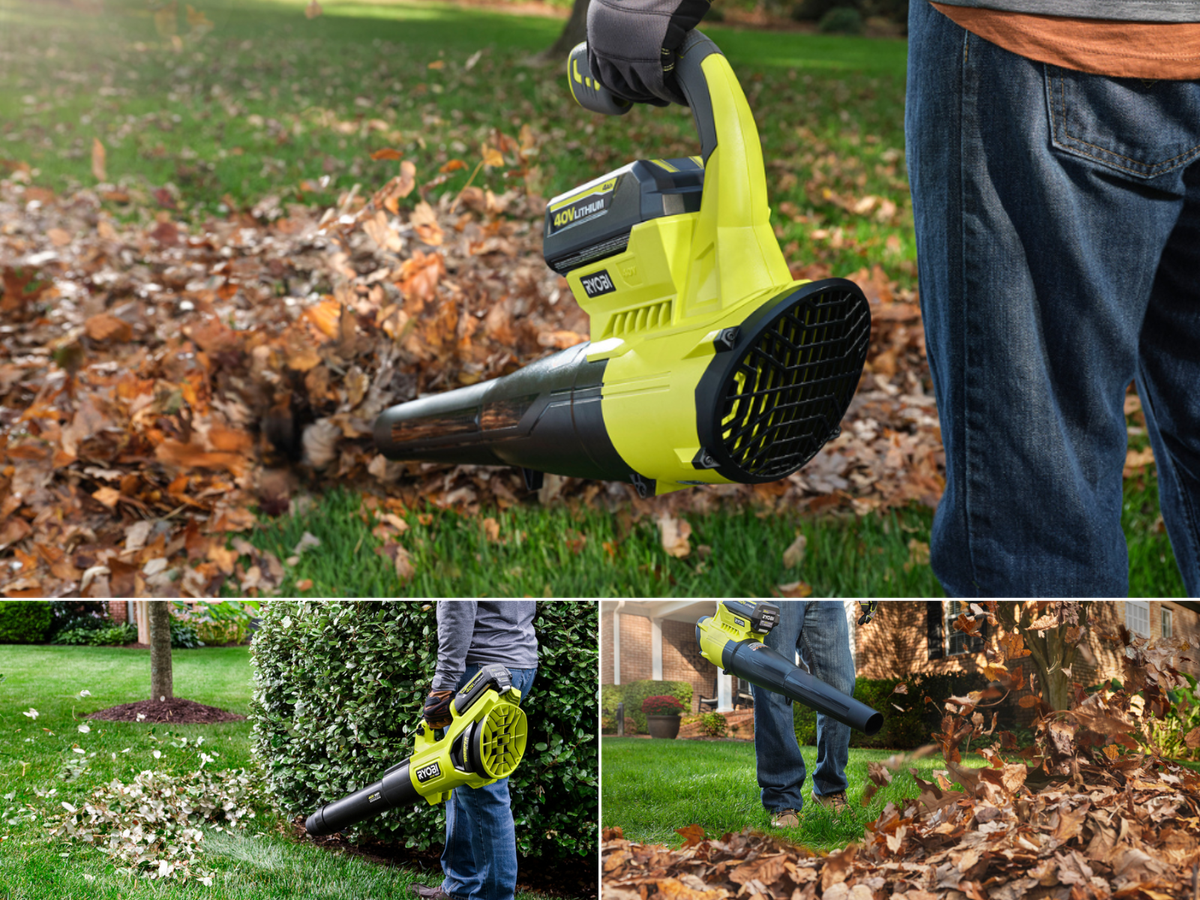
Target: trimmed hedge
x,y
907,729
25,621
339,686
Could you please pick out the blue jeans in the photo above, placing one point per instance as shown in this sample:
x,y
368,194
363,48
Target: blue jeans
x,y
1058,237
480,858
818,629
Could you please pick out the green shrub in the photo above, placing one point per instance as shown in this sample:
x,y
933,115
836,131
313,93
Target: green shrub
x,y
813,10
636,692
25,621
183,635
714,724
339,687
214,633
76,635
114,635
610,696
841,20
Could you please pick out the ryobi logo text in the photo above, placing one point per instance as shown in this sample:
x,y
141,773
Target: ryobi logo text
x,y
433,770
597,284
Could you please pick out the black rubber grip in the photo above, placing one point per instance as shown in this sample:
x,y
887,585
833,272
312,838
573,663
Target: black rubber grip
x,y
588,91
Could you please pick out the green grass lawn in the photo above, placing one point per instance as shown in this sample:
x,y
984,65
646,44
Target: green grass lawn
x,y
257,863
267,102
650,788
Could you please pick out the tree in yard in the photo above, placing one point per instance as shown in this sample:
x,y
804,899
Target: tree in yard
x,y
160,650
573,32
1047,631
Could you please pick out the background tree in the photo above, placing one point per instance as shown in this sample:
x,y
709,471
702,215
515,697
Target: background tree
x,y
573,32
160,650
1051,632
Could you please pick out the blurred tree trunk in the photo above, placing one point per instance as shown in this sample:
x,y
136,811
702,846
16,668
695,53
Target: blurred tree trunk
x,y
160,650
573,32
1052,632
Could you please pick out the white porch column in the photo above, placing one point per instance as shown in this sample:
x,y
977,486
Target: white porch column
x,y
724,692
656,649
143,622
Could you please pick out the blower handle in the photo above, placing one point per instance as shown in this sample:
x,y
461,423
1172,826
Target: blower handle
x,y
591,94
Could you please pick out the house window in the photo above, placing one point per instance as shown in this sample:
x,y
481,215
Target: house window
x,y
1167,623
956,641
1137,616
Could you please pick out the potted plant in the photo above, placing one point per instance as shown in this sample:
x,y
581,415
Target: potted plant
x,y
662,716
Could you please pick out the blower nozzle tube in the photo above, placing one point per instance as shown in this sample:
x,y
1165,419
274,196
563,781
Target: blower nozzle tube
x,y
758,664
394,789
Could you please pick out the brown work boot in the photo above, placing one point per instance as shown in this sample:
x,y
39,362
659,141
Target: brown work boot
x,y
429,893
835,803
785,818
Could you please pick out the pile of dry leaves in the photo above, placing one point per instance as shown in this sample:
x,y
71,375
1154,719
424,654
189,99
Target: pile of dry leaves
x,y
160,379
1088,813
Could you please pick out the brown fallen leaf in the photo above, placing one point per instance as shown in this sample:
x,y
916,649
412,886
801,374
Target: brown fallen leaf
x,y
99,157
793,556
106,327
312,10
674,534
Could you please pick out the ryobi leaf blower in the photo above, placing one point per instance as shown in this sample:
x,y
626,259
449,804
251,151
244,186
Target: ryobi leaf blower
x,y
709,363
732,640
484,742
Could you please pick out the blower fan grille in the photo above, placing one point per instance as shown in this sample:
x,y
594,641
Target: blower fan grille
x,y
795,373
501,741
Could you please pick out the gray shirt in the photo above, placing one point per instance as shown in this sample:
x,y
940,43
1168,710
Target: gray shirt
x,y
1121,10
478,632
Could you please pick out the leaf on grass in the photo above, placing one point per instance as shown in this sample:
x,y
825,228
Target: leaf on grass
x,y
692,835
99,161
491,156
387,153
674,534
793,589
401,560
794,554
312,10
452,166
491,528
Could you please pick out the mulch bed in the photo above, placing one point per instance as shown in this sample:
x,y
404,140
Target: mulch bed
x,y
175,711
565,878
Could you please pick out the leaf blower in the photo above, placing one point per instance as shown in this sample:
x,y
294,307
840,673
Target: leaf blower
x,y
484,742
732,640
709,364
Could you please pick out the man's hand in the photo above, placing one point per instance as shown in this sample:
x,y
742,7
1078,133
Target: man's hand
x,y
632,44
437,709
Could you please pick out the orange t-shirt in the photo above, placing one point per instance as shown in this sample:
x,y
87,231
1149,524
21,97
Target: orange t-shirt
x,y
1152,50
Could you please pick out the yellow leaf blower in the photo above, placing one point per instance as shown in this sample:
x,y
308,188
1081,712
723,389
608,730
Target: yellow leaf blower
x,y
484,742
709,364
732,640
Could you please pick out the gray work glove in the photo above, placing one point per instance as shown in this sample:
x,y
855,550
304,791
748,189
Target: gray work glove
x,y
632,44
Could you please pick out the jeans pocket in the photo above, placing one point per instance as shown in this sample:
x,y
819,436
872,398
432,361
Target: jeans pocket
x,y
1140,128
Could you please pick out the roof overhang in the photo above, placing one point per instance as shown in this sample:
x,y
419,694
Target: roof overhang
x,y
674,610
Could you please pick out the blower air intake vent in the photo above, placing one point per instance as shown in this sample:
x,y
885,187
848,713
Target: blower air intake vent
x,y
787,383
500,742
631,321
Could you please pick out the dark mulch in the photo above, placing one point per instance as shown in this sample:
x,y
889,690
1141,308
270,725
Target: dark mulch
x,y
556,878
176,711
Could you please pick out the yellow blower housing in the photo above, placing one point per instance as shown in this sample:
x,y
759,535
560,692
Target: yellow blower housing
x,y
709,363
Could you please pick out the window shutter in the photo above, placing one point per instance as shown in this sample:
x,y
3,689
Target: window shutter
x,y
980,638
934,628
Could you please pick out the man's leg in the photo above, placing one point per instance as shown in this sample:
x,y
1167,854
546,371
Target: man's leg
x,y
780,765
825,649
480,857
1169,383
1043,199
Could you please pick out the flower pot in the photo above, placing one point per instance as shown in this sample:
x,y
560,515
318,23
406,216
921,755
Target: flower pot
x,y
663,726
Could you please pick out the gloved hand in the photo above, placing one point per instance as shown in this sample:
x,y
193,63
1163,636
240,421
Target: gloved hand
x,y
632,44
437,709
